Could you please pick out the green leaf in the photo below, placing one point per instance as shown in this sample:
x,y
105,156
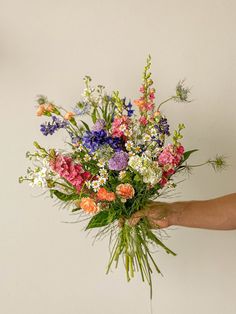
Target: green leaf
x,y
94,115
187,154
85,124
56,111
65,197
75,209
103,218
72,121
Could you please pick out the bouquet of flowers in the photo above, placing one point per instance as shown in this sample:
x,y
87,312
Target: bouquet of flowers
x,y
116,163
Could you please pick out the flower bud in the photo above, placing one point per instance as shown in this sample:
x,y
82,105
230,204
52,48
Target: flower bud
x,y
41,110
69,115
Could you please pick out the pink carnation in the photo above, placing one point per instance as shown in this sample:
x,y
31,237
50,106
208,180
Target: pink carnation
x,y
67,169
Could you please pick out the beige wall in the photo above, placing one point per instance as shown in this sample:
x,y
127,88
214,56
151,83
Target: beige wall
x,y
47,267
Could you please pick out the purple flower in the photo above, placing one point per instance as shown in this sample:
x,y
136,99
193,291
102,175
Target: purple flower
x,y
99,125
50,128
163,126
93,140
119,161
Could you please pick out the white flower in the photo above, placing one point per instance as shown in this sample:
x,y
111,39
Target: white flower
x,y
88,184
102,180
80,147
128,133
153,132
103,172
101,163
95,185
122,175
123,127
135,162
129,145
137,149
146,137
87,157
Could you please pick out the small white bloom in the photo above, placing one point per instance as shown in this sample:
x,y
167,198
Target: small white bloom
x,y
88,184
101,163
129,145
146,137
122,175
128,132
137,149
123,127
153,132
87,157
102,180
95,185
103,172
80,147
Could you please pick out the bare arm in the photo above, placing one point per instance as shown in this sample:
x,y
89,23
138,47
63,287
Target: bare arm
x,y
218,214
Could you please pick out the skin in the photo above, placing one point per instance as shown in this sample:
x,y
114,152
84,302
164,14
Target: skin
x,y
216,214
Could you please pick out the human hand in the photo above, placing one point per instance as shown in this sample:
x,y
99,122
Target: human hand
x,y
157,213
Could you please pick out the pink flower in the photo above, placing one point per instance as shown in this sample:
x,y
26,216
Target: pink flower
x,y
119,125
152,96
149,106
143,120
171,156
142,89
67,169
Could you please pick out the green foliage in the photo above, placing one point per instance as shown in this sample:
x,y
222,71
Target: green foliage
x,y
177,134
75,209
187,154
64,197
101,219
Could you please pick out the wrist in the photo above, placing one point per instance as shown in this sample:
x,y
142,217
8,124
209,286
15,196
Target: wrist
x,y
176,211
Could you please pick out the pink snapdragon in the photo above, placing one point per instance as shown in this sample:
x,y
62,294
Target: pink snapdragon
x,y
143,120
119,126
67,169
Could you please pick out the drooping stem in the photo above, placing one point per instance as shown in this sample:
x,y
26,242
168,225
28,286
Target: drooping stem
x,y
172,97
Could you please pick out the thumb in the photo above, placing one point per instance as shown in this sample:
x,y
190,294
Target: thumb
x,y
136,217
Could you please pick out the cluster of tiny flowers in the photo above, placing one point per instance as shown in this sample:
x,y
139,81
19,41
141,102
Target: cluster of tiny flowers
x,y
149,169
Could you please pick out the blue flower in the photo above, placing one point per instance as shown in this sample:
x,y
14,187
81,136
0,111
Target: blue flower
x,y
129,109
93,140
82,108
163,127
50,128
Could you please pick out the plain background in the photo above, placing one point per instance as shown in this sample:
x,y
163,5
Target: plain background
x,y
50,267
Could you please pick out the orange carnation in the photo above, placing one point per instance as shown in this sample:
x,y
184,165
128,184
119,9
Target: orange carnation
x,y
88,205
41,110
104,195
69,115
50,107
125,191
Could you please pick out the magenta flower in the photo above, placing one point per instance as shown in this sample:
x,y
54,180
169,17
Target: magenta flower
x,y
67,169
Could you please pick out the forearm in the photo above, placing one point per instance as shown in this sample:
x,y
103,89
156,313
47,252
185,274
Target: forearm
x,y
218,213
